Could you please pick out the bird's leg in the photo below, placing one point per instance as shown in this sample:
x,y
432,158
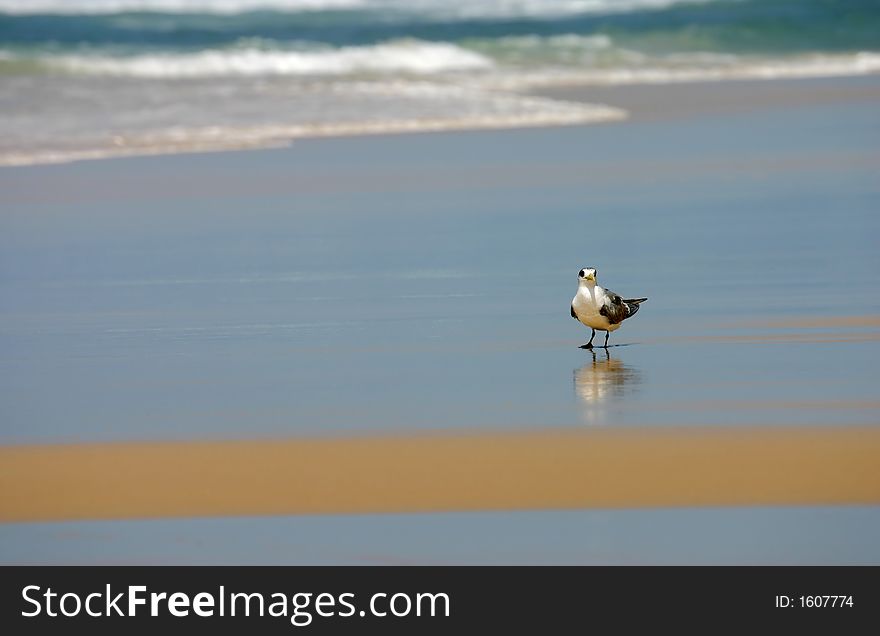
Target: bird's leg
x,y
607,333
589,345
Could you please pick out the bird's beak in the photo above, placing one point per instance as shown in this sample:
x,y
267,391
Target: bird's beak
x,y
591,277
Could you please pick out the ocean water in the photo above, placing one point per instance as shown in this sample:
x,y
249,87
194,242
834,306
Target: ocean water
x,y
90,78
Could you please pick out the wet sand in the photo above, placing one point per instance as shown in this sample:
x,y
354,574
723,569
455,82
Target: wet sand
x,y
702,99
395,311
440,473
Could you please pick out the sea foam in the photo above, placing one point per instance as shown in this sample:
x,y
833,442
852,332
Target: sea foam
x,y
798,67
428,8
409,56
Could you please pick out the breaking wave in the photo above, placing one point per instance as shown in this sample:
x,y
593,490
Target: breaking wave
x,y
405,57
436,8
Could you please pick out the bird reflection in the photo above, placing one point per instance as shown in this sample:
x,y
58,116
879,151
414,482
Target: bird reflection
x,y
602,379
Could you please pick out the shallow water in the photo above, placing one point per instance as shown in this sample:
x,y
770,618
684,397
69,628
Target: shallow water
x,y
712,536
422,282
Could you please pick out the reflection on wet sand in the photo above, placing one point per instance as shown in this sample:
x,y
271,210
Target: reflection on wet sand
x,y
601,379
784,338
828,329
825,322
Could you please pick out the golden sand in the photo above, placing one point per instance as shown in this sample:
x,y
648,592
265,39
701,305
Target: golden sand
x,y
548,469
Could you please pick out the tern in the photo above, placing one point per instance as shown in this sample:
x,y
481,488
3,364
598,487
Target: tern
x,y
598,308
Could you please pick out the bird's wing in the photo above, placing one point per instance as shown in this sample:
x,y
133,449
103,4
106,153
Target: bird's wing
x,y
573,315
615,309
633,304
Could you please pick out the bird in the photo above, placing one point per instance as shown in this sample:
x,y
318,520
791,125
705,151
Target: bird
x,y
599,308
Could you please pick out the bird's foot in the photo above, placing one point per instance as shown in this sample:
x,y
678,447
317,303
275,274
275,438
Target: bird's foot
x,y
589,345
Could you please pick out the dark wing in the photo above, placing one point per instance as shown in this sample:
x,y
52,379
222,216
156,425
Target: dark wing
x,y
616,309
633,304
573,315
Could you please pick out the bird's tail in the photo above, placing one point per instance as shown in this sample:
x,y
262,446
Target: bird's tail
x,y
633,304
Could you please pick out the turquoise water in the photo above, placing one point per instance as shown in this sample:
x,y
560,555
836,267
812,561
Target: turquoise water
x,y
92,78
722,26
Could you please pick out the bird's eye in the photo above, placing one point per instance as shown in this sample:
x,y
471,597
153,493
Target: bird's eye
x,y
582,274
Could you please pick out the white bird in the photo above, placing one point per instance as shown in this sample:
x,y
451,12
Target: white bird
x,y
598,308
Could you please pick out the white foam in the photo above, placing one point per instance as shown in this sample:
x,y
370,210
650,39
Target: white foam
x,y
565,41
73,7
471,9
409,56
535,112
700,70
427,8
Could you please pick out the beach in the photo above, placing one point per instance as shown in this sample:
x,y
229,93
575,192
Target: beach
x,y
400,287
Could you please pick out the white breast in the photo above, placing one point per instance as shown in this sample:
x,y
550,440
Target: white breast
x,y
586,305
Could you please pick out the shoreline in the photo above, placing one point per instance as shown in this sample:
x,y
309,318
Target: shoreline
x,y
596,104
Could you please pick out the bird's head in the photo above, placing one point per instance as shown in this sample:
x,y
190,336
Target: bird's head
x,y
588,274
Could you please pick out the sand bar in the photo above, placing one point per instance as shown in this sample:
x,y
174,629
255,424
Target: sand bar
x,y
558,469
